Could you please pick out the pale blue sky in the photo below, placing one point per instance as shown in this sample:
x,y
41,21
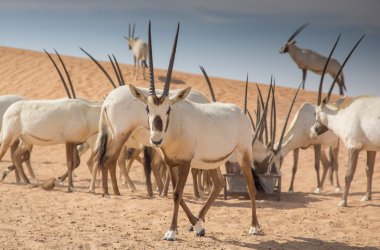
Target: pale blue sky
x,y
229,38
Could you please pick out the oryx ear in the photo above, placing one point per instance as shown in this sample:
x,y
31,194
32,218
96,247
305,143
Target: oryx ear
x,y
180,96
138,94
340,101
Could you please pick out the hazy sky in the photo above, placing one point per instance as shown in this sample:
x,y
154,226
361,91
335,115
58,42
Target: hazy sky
x,y
229,38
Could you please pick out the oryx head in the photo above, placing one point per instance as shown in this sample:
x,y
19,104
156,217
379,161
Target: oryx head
x,y
275,162
131,37
291,41
158,108
324,108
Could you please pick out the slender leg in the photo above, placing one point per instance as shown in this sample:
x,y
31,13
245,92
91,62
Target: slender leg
x,y
194,174
247,172
17,161
93,178
167,182
294,169
125,167
335,154
14,147
352,162
216,188
183,172
26,159
371,157
156,167
317,157
70,164
304,71
105,182
326,165
112,169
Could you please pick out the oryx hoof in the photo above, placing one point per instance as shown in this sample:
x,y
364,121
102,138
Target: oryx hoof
x,y
366,198
198,199
34,181
163,195
91,190
190,228
107,196
318,190
337,190
170,235
342,203
254,231
71,189
198,229
291,191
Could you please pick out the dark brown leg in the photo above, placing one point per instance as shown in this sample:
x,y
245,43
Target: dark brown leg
x,y
247,172
294,169
183,172
17,161
352,162
70,158
167,182
194,174
371,157
317,157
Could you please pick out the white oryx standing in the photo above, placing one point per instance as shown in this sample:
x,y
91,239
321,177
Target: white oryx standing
x,y
307,59
49,122
139,49
298,136
355,123
190,134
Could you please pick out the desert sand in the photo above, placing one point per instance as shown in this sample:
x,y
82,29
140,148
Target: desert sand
x,y
32,218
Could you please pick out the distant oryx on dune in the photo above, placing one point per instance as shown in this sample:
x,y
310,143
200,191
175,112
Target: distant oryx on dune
x,y
139,49
307,59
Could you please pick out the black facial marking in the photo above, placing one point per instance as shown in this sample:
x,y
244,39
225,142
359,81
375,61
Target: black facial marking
x,y
157,124
147,109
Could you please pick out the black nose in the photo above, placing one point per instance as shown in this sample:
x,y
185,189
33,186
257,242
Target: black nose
x,y
156,143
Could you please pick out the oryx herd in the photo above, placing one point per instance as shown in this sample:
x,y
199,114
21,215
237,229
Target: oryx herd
x,y
181,130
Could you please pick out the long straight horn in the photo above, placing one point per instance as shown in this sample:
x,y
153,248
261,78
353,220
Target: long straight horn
x,y
246,95
115,70
287,119
258,125
324,71
341,68
171,63
273,117
152,90
250,117
297,31
129,31
100,67
258,110
208,83
122,82
133,30
60,75
67,75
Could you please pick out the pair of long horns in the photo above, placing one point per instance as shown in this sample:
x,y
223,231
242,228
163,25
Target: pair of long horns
x,y
339,72
115,66
69,95
152,90
133,31
298,31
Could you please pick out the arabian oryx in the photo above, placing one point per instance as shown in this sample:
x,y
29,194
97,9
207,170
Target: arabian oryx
x,y
355,122
298,137
307,59
139,49
49,122
196,135
132,123
5,102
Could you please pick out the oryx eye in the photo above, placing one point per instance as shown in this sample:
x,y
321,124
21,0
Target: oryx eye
x,y
168,112
147,109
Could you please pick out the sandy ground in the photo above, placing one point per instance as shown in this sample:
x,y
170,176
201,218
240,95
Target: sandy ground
x,y
32,218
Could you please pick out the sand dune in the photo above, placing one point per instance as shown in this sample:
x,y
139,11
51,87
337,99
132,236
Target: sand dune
x,y
34,218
